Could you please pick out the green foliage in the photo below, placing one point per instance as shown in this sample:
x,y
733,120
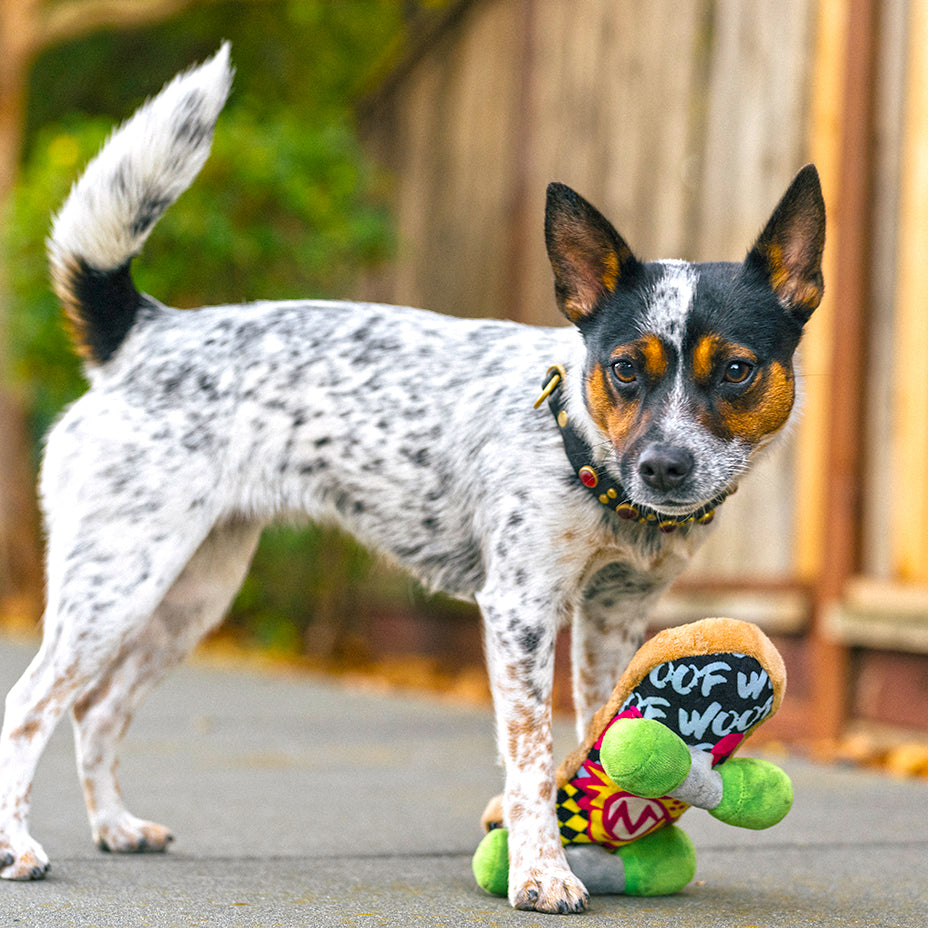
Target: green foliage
x,y
281,210
305,592
287,206
311,57
41,360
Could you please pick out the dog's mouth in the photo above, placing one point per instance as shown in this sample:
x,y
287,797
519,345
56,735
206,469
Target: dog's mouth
x,y
692,495
674,504
677,508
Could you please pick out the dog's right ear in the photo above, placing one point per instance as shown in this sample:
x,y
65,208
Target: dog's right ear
x,y
588,256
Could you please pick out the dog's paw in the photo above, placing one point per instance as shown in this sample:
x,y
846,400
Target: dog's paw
x,y
23,859
557,892
131,835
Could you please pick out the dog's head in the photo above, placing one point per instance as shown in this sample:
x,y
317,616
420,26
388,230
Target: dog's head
x,y
689,367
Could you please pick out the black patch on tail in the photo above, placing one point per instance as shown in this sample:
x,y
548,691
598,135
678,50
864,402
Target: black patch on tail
x,y
106,306
148,213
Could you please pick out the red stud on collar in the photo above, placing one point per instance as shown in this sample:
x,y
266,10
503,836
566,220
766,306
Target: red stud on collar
x,y
588,476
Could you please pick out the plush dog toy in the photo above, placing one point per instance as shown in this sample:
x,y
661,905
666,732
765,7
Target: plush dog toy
x,y
662,743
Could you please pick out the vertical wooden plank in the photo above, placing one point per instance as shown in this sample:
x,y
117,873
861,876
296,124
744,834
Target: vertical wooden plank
x,y
828,79
521,211
574,84
412,139
910,518
755,141
841,549
469,234
880,490
455,112
756,118
611,119
655,177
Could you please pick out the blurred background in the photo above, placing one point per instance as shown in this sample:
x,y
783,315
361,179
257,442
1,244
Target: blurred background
x,y
399,151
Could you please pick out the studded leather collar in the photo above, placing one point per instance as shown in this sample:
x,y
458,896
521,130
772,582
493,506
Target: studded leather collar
x,y
609,493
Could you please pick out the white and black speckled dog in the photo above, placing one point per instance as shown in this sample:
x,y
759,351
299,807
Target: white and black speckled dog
x,y
413,431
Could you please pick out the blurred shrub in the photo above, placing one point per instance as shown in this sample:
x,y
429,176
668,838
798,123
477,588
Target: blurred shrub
x,y
288,206
280,210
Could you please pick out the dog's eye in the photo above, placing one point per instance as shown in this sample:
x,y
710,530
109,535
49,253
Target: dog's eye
x,y
624,371
738,372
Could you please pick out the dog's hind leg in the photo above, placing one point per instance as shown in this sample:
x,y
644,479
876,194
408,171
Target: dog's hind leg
x,y
193,606
114,551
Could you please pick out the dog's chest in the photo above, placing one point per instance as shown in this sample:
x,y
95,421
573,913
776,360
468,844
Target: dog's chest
x,y
608,559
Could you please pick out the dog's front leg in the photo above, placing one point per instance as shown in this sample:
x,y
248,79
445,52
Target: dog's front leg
x,y
520,657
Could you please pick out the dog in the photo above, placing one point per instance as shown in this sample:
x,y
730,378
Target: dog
x,y
420,434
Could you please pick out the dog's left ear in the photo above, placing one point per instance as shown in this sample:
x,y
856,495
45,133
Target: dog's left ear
x,y
588,256
789,250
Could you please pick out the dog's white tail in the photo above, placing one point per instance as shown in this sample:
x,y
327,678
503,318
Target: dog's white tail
x,y
144,166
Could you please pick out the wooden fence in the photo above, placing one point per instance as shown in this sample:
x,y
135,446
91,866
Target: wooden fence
x,y
685,122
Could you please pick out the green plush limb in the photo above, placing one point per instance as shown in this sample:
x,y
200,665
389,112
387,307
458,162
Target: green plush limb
x,y
644,757
659,864
756,793
491,862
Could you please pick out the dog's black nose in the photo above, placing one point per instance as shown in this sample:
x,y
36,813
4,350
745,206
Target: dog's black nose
x,y
665,467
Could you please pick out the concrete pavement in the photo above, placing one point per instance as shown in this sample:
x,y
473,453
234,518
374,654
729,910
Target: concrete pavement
x,y
296,801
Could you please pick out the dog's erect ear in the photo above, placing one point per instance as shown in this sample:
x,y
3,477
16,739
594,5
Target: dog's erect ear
x,y
588,256
789,250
